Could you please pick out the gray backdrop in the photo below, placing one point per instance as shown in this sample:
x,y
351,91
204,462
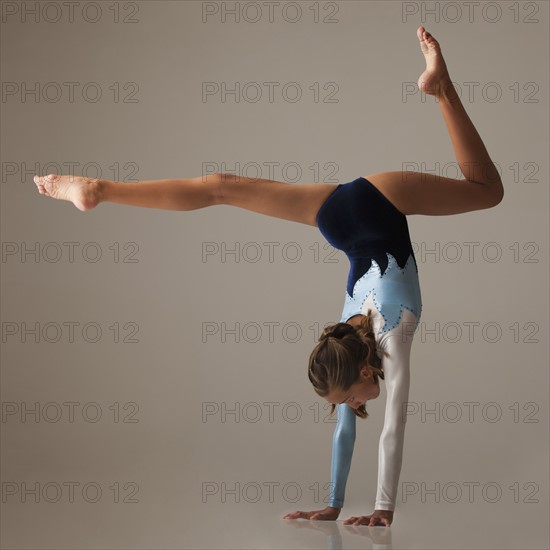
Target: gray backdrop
x,y
154,382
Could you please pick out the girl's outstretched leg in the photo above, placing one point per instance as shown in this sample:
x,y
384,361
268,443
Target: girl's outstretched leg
x,y
293,202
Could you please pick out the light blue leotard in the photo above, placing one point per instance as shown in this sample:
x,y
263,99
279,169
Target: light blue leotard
x,y
358,219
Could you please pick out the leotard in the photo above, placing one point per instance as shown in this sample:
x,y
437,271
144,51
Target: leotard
x,y
358,219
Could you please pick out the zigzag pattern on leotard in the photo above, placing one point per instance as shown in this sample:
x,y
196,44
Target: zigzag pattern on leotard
x,y
392,290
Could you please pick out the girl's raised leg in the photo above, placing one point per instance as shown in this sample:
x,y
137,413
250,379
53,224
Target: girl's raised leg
x,y
422,193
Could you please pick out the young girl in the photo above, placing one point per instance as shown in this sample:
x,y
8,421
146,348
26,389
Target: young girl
x,y
366,218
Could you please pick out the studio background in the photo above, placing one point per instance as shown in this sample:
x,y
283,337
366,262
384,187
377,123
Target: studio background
x,y
161,291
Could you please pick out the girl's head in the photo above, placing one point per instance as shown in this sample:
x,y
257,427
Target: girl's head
x,y
344,367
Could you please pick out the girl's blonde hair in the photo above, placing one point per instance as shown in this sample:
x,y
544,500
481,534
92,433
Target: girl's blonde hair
x,y
342,351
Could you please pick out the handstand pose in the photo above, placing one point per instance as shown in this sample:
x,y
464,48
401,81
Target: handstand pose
x,y
366,218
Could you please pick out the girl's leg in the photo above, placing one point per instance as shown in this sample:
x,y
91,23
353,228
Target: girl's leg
x,y
421,193
411,192
294,202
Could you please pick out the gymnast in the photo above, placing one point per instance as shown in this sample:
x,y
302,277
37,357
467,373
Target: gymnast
x,y
365,218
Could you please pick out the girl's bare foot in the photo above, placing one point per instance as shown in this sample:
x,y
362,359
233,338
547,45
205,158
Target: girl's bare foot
x,y
435,79
84,193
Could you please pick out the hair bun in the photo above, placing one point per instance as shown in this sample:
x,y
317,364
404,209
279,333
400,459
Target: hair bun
x,y
326,335
339,330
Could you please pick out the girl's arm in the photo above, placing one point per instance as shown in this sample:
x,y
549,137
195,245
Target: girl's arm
x,y
397,381
342,451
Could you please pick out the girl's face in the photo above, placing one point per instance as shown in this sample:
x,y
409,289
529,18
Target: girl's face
x,y
359,392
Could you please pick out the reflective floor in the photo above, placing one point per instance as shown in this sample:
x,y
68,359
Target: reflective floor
x,y
173,525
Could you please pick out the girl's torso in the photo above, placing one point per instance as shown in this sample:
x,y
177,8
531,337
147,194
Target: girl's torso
x,y
359,220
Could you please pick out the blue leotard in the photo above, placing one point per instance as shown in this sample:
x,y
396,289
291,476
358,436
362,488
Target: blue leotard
x,y
359,220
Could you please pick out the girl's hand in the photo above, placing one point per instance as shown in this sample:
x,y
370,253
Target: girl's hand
x,y
383,518
327,514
